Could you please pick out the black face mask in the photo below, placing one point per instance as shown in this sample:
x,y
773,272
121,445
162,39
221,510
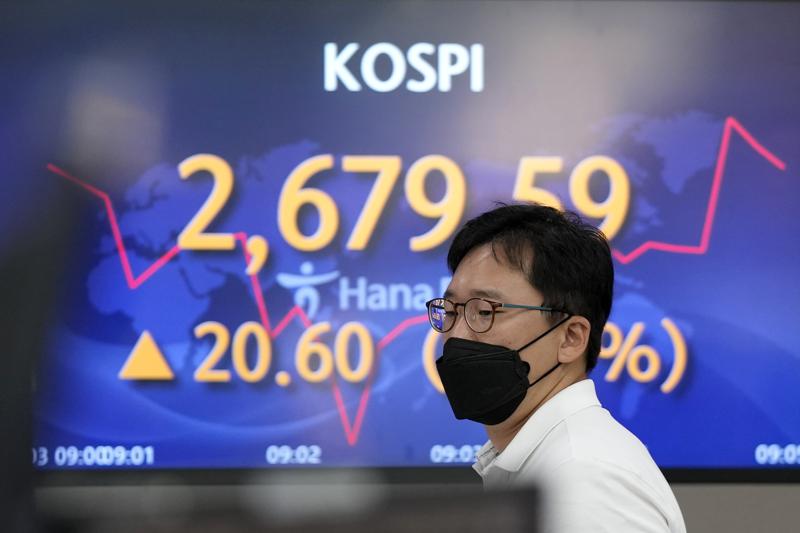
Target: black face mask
x,y
485,382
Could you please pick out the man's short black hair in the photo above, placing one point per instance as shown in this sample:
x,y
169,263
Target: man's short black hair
x,y
564,258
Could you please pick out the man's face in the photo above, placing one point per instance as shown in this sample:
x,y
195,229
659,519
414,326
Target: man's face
x,y
480,274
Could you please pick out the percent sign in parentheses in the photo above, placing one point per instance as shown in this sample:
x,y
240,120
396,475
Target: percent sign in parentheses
x,y
628,354
681,357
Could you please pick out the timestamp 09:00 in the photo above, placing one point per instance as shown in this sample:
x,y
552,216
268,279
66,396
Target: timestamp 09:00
x,y
93,456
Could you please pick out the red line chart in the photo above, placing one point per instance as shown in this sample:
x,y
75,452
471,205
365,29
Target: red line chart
x,y
731,125
352,430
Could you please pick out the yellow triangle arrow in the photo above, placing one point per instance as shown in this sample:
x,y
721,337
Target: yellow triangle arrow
x,y
146,362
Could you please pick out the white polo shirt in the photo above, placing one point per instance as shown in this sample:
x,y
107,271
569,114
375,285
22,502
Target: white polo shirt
x,y
595,475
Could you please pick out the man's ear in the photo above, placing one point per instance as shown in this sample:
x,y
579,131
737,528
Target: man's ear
x,y
574,339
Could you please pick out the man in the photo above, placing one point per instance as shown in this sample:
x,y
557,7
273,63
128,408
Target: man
x,y
523,318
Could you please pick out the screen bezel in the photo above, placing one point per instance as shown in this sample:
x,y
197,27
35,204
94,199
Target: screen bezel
x,y
446,475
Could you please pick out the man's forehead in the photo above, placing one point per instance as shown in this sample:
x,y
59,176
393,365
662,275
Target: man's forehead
x,y
484,274
492,255
500,253
476,292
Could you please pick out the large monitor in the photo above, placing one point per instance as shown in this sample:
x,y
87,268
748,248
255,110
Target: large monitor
x,y
264,194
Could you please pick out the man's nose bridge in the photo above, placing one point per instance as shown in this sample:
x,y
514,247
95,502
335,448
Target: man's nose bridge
x,y
460,327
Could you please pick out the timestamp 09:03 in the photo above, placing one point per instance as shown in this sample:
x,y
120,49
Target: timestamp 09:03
x,y
450,453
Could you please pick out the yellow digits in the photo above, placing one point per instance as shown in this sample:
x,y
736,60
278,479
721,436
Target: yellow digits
x,y
308,346
206,371
614,208
294,196
388,169
264,351
448,210
192,237
366,352
524,188
314,360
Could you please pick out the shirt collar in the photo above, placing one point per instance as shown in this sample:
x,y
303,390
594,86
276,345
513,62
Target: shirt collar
x,y
567,402
484,458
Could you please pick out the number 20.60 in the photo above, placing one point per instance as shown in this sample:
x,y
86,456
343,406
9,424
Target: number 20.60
x,y
448,210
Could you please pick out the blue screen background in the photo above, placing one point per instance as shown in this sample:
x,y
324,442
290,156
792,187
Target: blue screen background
x,y
117,99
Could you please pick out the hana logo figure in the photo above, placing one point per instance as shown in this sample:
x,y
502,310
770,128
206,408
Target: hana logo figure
x,y
306,296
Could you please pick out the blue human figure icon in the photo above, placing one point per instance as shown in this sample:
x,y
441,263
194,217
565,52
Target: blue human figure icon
x,y
306,296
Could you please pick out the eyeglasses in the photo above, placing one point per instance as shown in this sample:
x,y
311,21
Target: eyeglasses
x,y
478,312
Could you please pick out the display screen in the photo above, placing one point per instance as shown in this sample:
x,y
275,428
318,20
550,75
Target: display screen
x,y
265,193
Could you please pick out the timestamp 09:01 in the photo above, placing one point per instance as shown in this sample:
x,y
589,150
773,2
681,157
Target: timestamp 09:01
x,y
775,454
92,456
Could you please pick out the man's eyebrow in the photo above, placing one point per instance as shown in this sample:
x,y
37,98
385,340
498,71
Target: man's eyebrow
x,y
488,293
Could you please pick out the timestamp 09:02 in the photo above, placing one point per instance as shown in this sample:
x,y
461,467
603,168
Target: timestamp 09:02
x,y
299,455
